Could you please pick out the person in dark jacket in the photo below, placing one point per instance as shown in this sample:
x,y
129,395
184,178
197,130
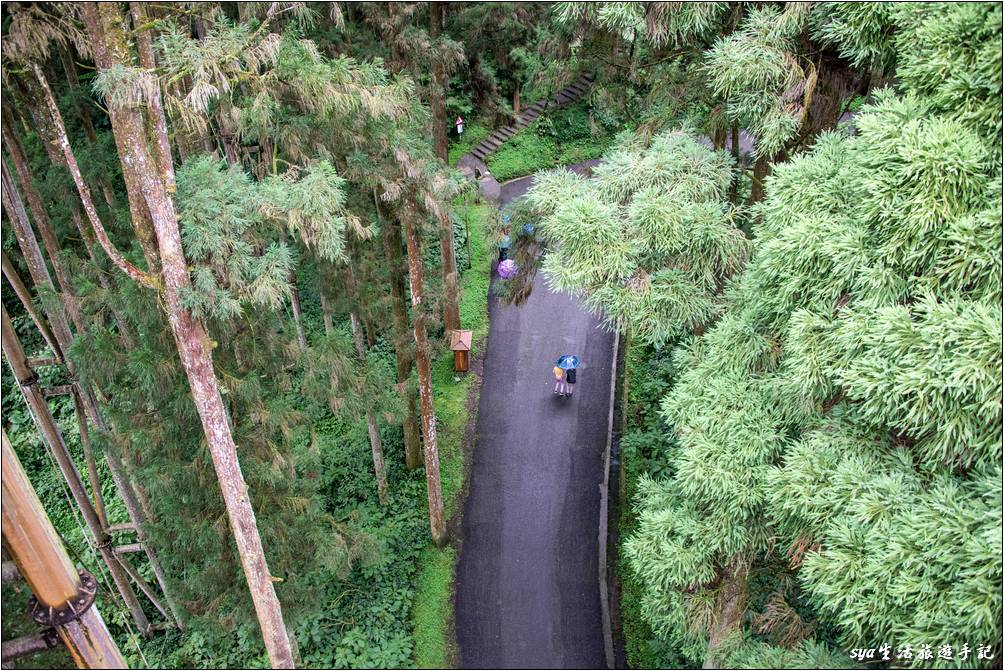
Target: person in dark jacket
x,y
569,381
504,245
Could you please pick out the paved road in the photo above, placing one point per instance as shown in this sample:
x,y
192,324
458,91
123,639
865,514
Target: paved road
x,y
527,591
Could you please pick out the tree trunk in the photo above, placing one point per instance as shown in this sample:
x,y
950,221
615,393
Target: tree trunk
x,y
379,469
107,54
192,339
404,354
105,25
515,100
734,186
42,221
437,89
89,461
370,334
140,220
761,169
451,307
70,70
329,322
21,291
440,124
433,487
155,110
36,263
719,140
733,596
371,423
294,300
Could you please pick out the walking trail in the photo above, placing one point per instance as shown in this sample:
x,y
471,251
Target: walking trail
x,y
527,588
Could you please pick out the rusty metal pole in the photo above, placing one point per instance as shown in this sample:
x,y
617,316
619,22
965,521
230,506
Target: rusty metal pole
x,y
87,409
27,381
22,293
64,598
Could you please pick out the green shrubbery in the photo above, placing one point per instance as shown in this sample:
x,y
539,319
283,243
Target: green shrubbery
x,y
524,154
644,446
560,136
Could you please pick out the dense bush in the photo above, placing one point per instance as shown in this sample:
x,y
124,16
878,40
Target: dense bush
x,y
523,154
560,136
644,449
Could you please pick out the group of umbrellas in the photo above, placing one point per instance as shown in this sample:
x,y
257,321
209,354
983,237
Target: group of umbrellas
x,y
508,268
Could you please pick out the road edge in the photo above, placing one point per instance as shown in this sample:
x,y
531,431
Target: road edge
x,y
608,638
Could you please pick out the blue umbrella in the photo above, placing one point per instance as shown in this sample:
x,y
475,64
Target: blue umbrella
x,y
567,361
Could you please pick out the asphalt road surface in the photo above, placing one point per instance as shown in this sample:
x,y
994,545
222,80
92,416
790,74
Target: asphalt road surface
x,y
527,589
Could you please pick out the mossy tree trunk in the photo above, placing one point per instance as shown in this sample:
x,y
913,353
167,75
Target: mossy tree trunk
x,y
412,222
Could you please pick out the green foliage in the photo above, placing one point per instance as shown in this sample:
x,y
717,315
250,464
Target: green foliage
x,y
845,407
947,54
861,30
523,154
433,608
648,240
562,136
672,24
754,70
644,450
238,260
950,55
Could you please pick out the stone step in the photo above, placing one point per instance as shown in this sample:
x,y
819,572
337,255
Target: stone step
x,y
493,141
480,152
507,132
578,90
539,105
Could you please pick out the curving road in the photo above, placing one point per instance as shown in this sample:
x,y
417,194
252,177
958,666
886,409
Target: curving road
x,y
527,585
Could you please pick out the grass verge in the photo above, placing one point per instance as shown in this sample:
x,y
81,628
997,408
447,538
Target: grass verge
x,y
433,606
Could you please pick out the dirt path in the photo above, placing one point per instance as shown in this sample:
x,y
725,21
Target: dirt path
x,y
527,590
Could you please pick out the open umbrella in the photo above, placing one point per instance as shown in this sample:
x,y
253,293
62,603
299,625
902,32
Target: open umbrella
x,y
567,361
508,269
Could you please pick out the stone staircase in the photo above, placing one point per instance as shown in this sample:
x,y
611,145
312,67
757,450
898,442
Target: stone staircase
x,y
566,96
